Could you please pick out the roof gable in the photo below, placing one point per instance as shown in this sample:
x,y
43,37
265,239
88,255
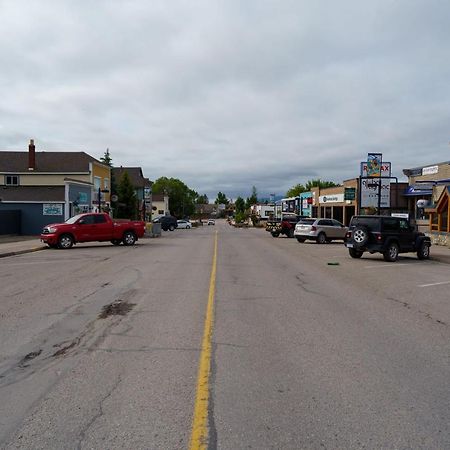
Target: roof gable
x,y
54,162
135,173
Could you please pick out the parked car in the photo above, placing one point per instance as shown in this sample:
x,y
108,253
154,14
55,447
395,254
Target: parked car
x,y
285,225
184,224
92,227
167,222
211,222
319,230
387,235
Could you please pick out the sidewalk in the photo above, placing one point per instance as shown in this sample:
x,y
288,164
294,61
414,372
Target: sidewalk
x,y
17,245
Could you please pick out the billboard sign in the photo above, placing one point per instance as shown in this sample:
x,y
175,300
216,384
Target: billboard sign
x,y
374,164
371,186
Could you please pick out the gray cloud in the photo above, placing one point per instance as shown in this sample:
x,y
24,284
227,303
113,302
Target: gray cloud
x,y
229,94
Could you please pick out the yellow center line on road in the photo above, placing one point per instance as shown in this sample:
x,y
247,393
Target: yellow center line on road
x,y
199,434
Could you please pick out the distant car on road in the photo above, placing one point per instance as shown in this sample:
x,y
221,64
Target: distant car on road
x,y
319,230
211,222
184,224
167,222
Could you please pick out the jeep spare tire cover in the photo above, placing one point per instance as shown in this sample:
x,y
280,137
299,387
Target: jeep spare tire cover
x,y
360,236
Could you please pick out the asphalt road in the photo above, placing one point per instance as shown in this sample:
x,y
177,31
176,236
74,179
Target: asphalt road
x,y
304,355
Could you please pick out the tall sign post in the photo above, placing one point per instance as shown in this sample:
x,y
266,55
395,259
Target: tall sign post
x,y
375,183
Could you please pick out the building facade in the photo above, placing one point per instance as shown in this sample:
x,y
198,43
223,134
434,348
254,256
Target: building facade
x,y
49,187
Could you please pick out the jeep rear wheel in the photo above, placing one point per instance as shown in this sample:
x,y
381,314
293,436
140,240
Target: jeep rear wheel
x,y
355,253
391,253
360,236
424,251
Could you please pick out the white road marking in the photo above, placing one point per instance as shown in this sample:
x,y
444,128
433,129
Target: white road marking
x,y
385,265
434,284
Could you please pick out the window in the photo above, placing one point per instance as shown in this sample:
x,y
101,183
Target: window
x,y
88,220
404,225
106,183
12,180
99,219
390,224
97,183
160,211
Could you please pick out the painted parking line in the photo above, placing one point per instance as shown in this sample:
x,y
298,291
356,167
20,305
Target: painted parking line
x,y
385,265
433,284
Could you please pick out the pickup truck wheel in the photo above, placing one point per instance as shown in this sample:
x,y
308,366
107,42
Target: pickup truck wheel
x,y
391,253
65,241
171,227
301,240
360,236
322,238
424,251
275,234
116,242
129,238
355,253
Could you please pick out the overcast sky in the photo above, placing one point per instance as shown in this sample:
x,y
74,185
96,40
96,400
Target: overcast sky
x,y
229,94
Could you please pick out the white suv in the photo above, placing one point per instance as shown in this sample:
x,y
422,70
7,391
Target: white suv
x,y
319,230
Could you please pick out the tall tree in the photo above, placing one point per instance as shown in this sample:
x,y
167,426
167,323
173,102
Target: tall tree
x,y
221,199
296,190
239,205
202,200
106,158
126,208
322,184
181,197
253,198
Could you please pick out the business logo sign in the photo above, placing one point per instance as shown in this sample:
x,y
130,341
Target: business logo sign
x,y
332,198
430,170
52,209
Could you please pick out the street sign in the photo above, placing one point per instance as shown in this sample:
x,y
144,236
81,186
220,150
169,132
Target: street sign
x,y
349,193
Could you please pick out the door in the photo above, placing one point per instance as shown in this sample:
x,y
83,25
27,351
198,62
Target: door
x,y
407,235
103,228
85,228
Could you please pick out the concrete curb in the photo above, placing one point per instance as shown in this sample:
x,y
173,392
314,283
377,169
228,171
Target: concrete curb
x,y
21,252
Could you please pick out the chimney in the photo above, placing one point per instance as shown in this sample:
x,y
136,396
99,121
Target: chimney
x,y
31,155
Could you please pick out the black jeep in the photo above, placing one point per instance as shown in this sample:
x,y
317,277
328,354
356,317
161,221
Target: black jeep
x,y
387,235
167,222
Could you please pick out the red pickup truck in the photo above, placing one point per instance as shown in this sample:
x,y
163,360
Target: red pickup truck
x,y
92,227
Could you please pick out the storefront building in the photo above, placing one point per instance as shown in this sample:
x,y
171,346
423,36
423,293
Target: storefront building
x,y
300,205
342,202
427,193
332,202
